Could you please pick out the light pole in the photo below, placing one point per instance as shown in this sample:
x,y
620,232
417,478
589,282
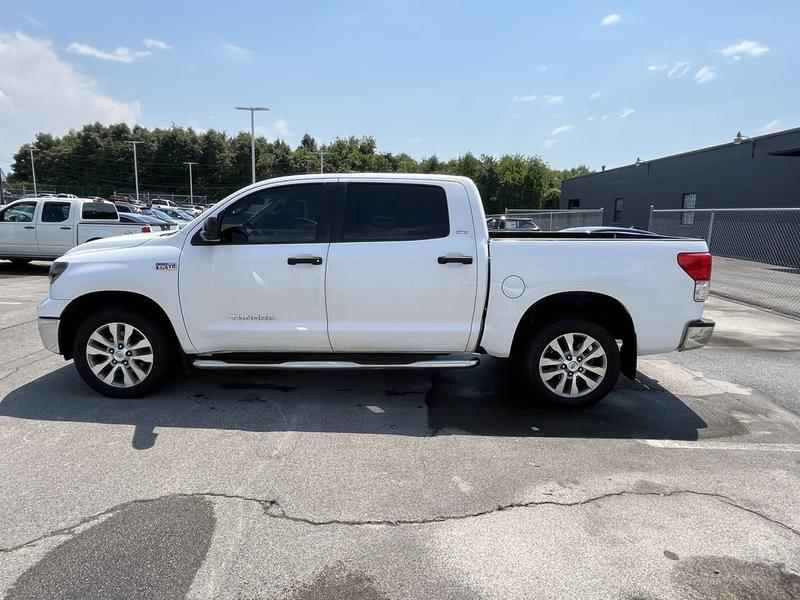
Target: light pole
x,y
191,190
252,110
322,160
135,166
33,149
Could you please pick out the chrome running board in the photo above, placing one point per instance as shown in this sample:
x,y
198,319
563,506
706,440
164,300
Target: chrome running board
x,y
337,364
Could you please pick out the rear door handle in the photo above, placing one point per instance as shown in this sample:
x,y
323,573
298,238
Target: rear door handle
x,y
66,228
29,227
461,260
305,260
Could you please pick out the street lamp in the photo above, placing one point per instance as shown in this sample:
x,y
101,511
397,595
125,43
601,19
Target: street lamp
x,y
741,138
253,110
322,160
639,162
33,149
135,166
191,190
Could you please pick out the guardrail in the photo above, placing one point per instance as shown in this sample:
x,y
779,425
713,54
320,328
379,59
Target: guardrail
x,y
756,251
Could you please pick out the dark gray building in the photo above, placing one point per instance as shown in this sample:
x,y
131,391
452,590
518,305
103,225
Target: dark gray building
x,y
762,171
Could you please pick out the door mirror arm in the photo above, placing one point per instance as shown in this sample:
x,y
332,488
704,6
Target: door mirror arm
x,y
210,231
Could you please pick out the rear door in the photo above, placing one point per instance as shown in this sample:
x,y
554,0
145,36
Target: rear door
x,y
55,229
402,268
18,229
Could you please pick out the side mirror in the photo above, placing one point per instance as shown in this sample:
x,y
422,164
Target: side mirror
x,y
210,231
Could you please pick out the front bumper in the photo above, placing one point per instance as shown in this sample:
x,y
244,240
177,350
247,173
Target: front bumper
x,y
48,331
696,334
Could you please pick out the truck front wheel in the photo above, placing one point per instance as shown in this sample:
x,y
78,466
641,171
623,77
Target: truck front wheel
x,y
572,363
120,353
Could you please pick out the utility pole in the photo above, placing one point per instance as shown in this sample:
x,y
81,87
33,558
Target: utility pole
x,y
322,160
253,110
33,149
191,189
135,166
1,187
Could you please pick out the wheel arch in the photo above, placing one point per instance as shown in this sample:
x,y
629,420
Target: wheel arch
x,y
599,308
88,303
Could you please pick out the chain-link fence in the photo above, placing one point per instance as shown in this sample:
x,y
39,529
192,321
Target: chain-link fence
x,y
558,219
756,251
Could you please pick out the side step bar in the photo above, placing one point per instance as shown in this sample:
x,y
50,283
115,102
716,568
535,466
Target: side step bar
x,y
337,364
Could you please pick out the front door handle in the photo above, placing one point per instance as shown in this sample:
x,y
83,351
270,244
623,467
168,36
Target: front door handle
x,y
66,228
29,227
305,260
461,260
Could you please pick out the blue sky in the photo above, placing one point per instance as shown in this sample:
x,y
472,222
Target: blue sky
x,y
575,82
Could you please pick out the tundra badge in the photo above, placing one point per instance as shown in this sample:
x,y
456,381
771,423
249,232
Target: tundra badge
x,y
166,266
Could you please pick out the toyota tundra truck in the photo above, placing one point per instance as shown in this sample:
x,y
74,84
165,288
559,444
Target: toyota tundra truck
x,y
372,271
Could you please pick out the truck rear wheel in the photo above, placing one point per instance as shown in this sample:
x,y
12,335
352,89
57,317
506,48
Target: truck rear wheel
x,y
572,363
120,353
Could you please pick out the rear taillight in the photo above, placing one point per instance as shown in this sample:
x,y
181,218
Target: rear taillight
x,y
698,266
146,229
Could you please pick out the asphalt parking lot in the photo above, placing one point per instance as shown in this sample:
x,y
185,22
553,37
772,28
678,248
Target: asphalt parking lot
x,y
682,484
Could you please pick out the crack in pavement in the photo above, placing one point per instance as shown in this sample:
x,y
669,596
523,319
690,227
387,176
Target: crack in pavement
x,y
17,325
27,364
273,510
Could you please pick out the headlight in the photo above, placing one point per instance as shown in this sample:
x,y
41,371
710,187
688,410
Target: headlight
x,y
56,269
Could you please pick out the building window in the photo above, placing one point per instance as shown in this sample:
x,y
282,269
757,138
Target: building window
x,y
688,204
618,210
574,203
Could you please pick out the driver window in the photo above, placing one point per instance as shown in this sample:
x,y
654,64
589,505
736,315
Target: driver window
x,y
280,215
22,212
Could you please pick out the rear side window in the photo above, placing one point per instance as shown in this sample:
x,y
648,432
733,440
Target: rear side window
x,y
377,212
98,210
55,212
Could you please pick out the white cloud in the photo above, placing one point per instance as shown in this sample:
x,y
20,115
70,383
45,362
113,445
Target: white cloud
x,y
611,19
597,94
553,99
234,51
706,73
625,113
562,129
542,69
524,98
745,47
771,126
590,119
45,93
550,143
121,54
31,20
158,44
657,67
278,130
679,69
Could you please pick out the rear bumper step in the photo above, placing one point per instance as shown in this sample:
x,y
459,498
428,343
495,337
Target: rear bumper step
x,y
461,363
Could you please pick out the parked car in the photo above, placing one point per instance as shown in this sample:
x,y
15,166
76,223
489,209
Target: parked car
x,y
124,207
146,221
176,214
46,228
158,214
373,271
155,202
193,209
496,222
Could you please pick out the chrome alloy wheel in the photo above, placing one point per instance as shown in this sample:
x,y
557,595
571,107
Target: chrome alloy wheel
x,y
119,355
572,365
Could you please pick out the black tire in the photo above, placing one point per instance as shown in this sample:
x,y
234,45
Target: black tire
x,y
159,345
540,387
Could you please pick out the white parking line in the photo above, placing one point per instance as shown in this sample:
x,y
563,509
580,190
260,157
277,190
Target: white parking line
x,y
10,302
703,445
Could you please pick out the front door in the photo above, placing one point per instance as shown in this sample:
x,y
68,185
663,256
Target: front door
x,y
55,232
18,230
262,288
402,272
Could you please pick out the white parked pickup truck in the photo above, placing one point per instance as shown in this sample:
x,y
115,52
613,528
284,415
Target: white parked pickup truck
x,y
373,271
45,228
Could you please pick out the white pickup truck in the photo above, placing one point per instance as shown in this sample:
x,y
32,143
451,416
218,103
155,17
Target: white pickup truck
x,y
373,271
45,228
